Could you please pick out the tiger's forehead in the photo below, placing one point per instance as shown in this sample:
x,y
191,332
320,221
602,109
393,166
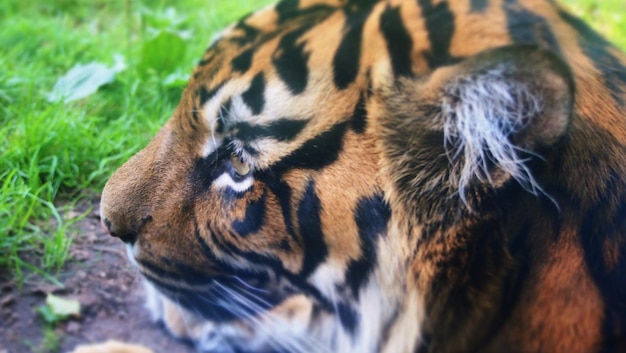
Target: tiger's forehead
x,y
262,118
265,91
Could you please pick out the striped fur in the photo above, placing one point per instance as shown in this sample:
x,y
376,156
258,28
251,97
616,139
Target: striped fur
x,y
389,176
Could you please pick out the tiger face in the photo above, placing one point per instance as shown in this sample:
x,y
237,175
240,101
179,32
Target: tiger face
x,y
388,176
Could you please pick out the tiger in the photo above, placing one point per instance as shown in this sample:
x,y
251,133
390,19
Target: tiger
x,y
387,176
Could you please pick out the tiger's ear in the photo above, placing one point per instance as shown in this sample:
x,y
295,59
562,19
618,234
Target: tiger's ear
x,y
478,122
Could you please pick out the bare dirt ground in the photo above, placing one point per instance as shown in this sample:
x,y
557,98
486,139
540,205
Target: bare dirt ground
x,y
108,289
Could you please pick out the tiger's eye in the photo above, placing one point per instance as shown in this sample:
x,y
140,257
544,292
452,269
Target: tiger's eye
x,y
241,167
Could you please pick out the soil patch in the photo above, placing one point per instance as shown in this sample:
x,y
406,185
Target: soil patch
x,y
109,290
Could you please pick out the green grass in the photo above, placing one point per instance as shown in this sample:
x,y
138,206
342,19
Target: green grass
x,y
52,151
606,16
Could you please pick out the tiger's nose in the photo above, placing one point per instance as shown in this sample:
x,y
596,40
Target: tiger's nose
x,y
127,234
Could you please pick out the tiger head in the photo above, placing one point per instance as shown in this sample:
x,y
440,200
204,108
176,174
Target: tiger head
x,y
354,153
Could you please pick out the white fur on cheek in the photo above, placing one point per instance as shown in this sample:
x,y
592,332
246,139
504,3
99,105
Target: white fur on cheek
x,y
131,252
154,301
225,181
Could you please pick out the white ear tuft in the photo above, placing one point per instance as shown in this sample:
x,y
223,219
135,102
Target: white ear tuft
x,y
499,109
481,115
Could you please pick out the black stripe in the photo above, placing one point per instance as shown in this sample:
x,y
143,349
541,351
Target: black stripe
x,y
251,150
290,58
167,288
598,50
348,317
291,61
371,215
527,27
282,191
289,10
280,130
310,224
399,43
286,9
479,5
440,26
219,243
316,153
358,121
195,116
209,253
243,61
253,257
254,218
254,96
347,57
284,245
361,4
225,267
206,94
183,273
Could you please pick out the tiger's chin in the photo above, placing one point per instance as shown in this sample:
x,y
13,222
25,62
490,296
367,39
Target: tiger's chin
x,y
183,324
281,329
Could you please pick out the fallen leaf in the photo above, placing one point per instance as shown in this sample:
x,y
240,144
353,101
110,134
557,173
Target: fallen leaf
x,y
64,307
58,309
84,80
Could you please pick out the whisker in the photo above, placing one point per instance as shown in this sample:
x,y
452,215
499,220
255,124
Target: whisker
x,y
296,344
258,310
247,285
250,315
